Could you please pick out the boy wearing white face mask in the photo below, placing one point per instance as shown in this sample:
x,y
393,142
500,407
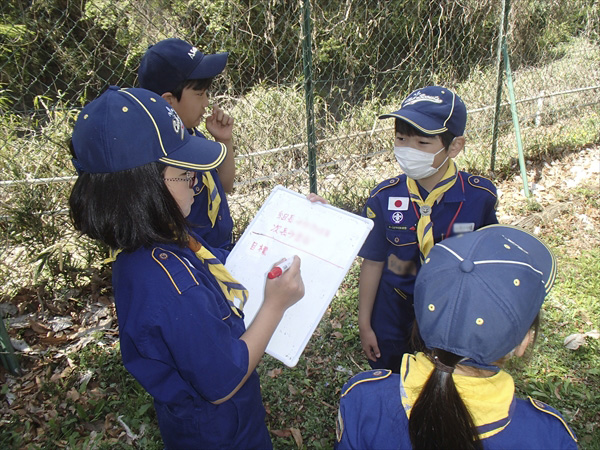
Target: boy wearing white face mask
x,y
429,202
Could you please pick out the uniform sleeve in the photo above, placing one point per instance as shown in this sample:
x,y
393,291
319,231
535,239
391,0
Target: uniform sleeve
x,y
370,413
342,441
346,427
204,348
181,332
554,428
490,218
376,244
489,198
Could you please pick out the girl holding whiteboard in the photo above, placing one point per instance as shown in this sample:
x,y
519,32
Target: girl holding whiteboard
x,y
180,316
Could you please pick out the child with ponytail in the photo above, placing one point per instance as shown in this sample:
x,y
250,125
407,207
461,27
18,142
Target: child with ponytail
x,y
477,302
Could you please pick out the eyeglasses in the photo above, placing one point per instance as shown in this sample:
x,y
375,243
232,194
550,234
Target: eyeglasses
x,y
190,177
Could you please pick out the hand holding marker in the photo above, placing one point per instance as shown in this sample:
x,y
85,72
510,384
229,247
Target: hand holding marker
x,y
280,268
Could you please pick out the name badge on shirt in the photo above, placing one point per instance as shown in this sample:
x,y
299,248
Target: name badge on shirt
x,y
459,228
398,203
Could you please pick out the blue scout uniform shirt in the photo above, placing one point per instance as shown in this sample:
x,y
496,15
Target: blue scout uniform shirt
x,y
372,416
221,234
466,206
180,339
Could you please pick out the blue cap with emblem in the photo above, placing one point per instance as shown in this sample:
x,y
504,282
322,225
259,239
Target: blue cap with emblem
x,y
477,294
433,110
127,128
170,62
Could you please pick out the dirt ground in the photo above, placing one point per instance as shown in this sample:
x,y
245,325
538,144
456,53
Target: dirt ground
x,y
551,204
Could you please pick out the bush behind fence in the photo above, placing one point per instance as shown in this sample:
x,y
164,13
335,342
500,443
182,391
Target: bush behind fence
x,y
57,55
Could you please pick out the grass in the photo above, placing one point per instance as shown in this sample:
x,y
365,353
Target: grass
x,y
305,397
87,403
569,380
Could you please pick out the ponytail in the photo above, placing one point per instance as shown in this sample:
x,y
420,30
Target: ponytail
x,y
439,418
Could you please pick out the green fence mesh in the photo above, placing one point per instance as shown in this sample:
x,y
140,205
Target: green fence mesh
x,y
57,55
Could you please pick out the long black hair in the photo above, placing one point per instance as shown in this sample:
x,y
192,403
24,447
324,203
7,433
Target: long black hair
x,y
128,209
439,419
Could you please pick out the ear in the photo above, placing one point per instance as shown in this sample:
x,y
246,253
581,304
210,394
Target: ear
x,y
170,98
457,144
520,349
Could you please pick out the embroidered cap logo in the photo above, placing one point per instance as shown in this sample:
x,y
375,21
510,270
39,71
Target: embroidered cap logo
x,y
420,97
177,123
192,52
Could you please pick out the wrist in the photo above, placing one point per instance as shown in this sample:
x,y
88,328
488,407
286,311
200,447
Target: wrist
x,y
364,325
273,307
226,141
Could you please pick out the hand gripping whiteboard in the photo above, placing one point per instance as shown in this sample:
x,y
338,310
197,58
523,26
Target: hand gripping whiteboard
x,y
327,239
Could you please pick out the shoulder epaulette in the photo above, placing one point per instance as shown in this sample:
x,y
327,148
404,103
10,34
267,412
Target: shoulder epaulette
x,y
176,269
365,377
384,185
482,183
541,406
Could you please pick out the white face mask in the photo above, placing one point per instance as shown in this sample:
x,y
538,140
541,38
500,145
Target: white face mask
x,y
417,164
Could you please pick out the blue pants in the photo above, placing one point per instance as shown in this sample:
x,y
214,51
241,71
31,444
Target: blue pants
x,y
392,321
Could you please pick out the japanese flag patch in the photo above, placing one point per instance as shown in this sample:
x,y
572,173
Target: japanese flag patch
x,y
398,203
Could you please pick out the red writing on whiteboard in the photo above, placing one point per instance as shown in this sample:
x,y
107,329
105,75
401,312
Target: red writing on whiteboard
x,y
286,217
260,248
291,235
306,226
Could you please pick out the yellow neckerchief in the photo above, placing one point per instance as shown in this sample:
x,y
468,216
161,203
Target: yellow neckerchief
x,y
235,293
489,400
425,225
112,255
232,289
214,198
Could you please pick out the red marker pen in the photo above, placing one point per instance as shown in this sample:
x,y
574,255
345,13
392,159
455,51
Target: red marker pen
x,y
280,268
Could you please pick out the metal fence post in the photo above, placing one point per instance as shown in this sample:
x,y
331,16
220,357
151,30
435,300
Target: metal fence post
x,y
7,353
515,118
309,94
501,33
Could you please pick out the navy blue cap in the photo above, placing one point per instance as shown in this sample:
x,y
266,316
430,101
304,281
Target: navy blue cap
x,y
127,128
477,294
170,62
433,110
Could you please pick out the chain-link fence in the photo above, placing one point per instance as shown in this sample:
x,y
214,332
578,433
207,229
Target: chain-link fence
x,y
348,60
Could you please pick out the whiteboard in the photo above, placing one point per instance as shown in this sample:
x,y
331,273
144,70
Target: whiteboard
x,y
326,238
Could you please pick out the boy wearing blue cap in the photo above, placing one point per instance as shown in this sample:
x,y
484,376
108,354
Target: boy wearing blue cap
x,y
477,300
182,75
429,202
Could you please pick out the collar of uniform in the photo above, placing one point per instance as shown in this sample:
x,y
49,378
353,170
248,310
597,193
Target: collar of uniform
x,y
490,400
455,194
196,132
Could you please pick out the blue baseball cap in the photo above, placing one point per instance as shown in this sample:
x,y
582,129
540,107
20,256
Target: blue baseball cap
x,y
433,110
477,294
127,128
170,62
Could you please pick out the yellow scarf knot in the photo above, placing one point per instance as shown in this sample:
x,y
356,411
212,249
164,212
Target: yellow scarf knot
x,y
235,293
425,225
